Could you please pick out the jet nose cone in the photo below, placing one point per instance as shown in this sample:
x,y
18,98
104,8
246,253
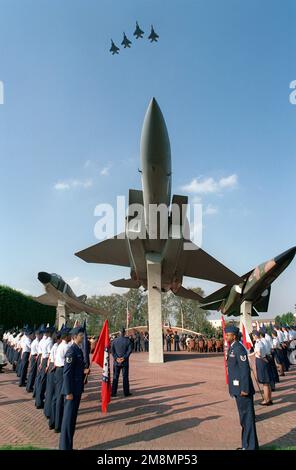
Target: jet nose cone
x,y
44,277
155,143
286,256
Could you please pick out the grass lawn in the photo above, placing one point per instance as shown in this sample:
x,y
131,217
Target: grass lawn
x,y
278,448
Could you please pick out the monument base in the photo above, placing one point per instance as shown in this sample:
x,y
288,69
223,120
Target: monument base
x,y
246,316
154,308
61,316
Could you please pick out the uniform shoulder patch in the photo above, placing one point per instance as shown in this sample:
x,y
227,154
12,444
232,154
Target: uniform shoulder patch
x,y
69,359
243,357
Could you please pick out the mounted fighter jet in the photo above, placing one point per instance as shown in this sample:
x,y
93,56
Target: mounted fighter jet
x,y
144,235
126,42
138,32
114,49
255,288
57,289
153,36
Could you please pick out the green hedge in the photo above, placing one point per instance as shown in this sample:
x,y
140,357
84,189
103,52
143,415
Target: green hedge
x,y
17,309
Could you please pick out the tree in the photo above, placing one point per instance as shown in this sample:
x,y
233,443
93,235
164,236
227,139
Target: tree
x,y
285,319
194,317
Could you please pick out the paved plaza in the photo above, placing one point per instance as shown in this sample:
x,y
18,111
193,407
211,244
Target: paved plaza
x,y
181,404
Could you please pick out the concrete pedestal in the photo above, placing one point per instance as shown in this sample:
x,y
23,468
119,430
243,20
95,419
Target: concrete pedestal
x,y
246,312
154,308
61,314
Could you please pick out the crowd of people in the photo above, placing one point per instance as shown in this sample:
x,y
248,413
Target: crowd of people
x,y
173,341
52,366
272,349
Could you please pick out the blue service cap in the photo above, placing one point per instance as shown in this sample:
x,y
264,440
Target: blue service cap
x,y
65,330
232,329
29,331
77,330
49,329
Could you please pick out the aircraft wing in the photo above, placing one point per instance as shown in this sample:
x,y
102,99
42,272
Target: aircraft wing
x,y
212,305
46,299
77,307
197,263
216,296
111,251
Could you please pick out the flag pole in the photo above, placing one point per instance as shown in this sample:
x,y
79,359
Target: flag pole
x,y
127,315
225,348
182,318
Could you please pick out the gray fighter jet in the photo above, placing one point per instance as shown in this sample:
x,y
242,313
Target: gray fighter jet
x,y
126,42
138,32
144,235
57,289
114,49
153,36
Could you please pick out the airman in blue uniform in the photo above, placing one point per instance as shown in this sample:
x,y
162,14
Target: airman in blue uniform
x,y
121,350
73,382
241,387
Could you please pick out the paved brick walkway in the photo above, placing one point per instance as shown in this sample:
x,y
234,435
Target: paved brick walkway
x,y
181,404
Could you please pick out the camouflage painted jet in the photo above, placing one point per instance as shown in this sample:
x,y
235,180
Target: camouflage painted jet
x,y
114,49
138,32
153,36
255,288
57,289
142,235
126,42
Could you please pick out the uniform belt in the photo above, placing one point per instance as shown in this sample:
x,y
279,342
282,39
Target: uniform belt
x,y
59,367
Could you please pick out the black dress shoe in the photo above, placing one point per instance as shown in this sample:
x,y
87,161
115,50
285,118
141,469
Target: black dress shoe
x,y
57,430
113,395
40,407
128,395
51,426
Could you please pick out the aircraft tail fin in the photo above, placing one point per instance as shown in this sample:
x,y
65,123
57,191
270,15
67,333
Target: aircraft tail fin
x,y
128,283
188,294
261,305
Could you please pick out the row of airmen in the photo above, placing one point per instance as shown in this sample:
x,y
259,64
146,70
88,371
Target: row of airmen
x,y
269,351
51,365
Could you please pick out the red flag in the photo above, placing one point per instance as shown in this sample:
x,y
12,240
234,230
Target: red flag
x,y
101,357
225,349
247,342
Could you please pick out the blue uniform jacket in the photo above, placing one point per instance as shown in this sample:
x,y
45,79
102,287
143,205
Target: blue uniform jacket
x,y
121,347
239,372
73,377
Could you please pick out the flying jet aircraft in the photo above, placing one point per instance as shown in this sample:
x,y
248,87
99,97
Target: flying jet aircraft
x,y
138,32
57,289
144,235
114,49
126,42
255,288
153,36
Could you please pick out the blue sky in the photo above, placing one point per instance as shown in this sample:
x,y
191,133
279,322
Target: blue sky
x,y
72,115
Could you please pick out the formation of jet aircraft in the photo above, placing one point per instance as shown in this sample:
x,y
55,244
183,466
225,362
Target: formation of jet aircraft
x,y
138,33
